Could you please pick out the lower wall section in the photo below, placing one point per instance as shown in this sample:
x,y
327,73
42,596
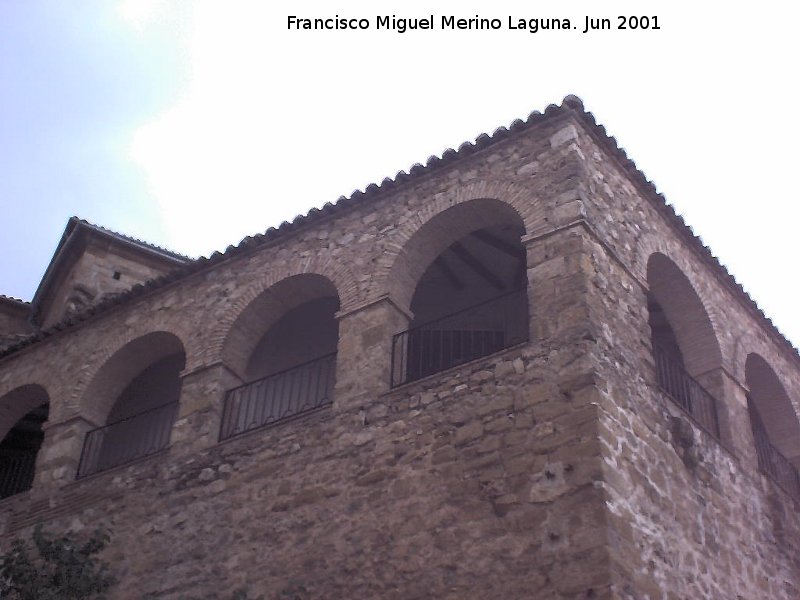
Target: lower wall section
x,y
515,476
689,521
481,482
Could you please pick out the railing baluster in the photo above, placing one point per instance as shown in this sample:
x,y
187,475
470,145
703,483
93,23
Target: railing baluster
x,y
685,391
246,406
405,342
420,352
293,398
301,389
465,335
16,473
129,439
770,460
285,395
318,394
441,363
281,396
296,400
406,355
307,396
270,396
254,403
321,388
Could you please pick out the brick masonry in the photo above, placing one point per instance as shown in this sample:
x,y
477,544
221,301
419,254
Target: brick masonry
x,y
554,469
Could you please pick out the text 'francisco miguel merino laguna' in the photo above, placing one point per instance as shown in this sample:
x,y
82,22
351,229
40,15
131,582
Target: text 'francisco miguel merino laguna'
x,y
403,24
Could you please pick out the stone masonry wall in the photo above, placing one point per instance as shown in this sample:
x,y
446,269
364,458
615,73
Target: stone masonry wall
x,y
554,469
691,517
13,318
482,481
472,484
102,268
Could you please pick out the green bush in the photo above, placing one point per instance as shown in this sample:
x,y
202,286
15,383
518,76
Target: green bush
x,y
55,568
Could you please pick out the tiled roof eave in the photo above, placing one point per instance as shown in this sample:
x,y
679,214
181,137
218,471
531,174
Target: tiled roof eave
x,y
135,242
571,105
144,249
15,301
314,216
650,192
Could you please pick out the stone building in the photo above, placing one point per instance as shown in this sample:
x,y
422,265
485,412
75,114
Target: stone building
x,y
513,372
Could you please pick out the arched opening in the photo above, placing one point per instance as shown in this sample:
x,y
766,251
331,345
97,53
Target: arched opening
x,y
138,389
684,345
24,412
283,345
470,297
776,431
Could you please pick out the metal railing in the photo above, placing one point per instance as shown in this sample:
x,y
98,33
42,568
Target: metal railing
x,y
465,335
685,391
770,460
127,440
279,396
16,473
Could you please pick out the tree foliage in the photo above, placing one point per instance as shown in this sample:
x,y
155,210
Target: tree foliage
x,y
55,568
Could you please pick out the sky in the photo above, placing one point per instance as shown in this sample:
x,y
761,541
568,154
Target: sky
x,y
194,124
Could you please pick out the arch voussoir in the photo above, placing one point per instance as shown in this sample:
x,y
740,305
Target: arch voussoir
x,y
400,265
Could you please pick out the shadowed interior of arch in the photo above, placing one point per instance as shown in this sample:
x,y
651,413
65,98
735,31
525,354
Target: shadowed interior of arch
x,y
683,341
303,334
287,356
776,430
141,385
18,451
435,235
471,301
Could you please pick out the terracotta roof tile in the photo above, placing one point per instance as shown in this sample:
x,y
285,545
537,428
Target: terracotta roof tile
x,y
570,105
133,240
12,300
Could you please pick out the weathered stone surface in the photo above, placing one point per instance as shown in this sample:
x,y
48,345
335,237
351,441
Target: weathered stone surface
x,y
556,468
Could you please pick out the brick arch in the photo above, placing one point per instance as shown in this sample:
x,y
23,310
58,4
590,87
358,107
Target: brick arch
x,y
652,244
42,373
115,366
646,246
773,405
443,220
240,330
745,344
686,312
110,341
749,342
335,271
18,402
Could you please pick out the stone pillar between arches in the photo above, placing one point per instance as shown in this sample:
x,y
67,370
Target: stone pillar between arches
x,y
558,265
200,409
58,459
363,363
732,415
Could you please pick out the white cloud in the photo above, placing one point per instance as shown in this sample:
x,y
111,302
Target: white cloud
x,y
141,13
273,122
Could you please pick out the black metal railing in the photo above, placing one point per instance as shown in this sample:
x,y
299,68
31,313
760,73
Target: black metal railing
x,y
685,391
16,473
770,460
279,396
127,440
465,335
777,466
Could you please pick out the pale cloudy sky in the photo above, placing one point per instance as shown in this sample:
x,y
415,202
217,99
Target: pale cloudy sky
x,y
194,124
